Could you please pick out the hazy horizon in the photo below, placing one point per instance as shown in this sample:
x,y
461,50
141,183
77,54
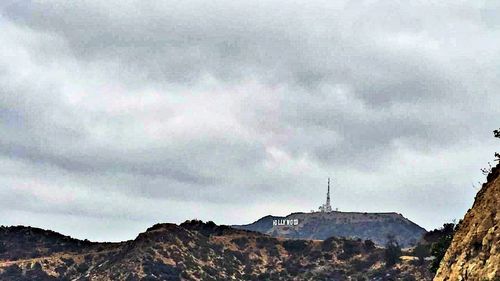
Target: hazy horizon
x,y
116,115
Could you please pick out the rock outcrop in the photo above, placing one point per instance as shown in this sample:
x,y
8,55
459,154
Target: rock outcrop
x,y
474,253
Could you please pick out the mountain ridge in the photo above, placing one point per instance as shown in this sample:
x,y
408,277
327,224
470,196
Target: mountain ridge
x,y
321,225
193,250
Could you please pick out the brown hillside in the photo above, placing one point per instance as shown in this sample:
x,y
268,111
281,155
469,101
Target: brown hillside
x,y
195,251
474,253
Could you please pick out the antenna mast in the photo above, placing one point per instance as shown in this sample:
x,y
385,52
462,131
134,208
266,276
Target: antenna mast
x,y
328,207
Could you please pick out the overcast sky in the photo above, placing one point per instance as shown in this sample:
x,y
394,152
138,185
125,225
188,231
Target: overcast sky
x,y
115,115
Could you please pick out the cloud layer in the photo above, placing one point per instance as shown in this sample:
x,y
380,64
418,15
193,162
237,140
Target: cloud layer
x,y
116,115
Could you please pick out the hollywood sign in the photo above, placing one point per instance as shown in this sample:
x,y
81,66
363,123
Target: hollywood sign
x,y
286,222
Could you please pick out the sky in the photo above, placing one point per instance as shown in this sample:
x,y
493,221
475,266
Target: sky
x,y
115,115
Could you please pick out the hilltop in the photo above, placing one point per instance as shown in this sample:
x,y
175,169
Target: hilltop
x,y
321,225
193,251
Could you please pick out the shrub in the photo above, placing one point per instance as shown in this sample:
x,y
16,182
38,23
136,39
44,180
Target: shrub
x,y
273,251
315,255
487,171
392,251
329,244
369,245
241,242
265,242
295,246
496,133
351,248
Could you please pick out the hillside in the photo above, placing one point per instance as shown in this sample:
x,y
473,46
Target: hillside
x,y
318,225
474,253
193,251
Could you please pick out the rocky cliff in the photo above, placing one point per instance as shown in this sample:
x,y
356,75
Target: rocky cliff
x,y
474,253
318,225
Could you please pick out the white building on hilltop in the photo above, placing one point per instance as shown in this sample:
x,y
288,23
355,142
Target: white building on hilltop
x,y
326,208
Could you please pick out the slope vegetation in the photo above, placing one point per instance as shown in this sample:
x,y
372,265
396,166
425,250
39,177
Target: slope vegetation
x,y
194,251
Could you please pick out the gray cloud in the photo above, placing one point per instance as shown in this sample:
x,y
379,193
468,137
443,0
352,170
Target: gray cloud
x,y
243,105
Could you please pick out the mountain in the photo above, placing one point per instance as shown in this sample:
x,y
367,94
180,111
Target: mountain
x,y
321,225
194,251
474,253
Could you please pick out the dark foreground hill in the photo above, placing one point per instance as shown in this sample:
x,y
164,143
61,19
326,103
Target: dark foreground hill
x,y
193,251
318,225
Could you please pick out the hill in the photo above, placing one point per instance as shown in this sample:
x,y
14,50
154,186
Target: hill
x,y
193,251
474,253
320,226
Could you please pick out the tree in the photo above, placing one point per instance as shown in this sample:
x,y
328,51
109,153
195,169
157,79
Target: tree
x,y
443,241
392,251
421,251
